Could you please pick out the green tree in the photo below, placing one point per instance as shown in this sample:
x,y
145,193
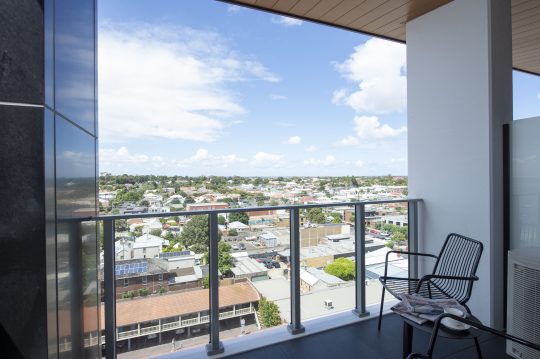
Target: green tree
x,y
239,216
337,217
206,282
233,232
342,268
221,220
269,313
128,295
316,215
195,235
156,232
162,290
120,225
143,292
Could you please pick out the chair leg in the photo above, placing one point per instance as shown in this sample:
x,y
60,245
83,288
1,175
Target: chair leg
x,y
478,351
381,310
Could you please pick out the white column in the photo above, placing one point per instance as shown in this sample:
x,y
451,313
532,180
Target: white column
x,y
459,88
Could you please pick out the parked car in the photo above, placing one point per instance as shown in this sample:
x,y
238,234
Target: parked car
x,y
234,247
242,246
276,264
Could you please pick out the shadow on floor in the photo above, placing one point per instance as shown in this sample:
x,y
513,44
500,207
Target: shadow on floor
x,y
362,340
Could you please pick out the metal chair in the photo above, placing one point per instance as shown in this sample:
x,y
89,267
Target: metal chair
x,y
453,274
431,347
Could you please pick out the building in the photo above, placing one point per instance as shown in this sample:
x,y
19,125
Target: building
x,y
268,240
246,267
148,246
206,206
180,259
134,275
312,279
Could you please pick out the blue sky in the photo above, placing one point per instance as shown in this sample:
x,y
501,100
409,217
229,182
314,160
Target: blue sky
x,y
202,87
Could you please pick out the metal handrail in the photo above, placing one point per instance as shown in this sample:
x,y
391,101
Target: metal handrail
x,y
246,209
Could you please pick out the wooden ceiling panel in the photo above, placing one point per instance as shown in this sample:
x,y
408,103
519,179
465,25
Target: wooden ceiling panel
x,y
302,7
285,5
339,11
322,8
378,12
387,18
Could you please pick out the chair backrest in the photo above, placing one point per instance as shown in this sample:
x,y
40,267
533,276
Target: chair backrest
x,y
459,257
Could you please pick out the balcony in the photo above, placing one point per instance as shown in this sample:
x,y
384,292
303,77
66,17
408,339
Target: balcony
x,y
301,322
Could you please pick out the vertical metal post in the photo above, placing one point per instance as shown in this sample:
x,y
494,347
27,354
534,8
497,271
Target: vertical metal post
x,y
214,346
360,249
413,238
295,327
110,290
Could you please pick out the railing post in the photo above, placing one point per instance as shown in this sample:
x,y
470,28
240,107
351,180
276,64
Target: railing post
x,y
295,327
413,238
360,263
214,346
110,290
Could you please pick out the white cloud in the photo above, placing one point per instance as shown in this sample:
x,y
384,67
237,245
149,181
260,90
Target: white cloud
x,y
169,82
122,159
267,160
234,9
294,140
348,141
261,157
359,163
326,161
377,68
311,148
275,97
369,128
284,124
286,21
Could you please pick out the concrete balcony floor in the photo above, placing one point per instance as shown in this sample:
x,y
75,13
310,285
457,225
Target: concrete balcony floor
x,y
362,340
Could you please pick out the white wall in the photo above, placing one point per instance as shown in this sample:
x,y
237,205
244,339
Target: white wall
x,y
457,101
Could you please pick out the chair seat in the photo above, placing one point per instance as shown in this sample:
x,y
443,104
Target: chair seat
x,y
398,286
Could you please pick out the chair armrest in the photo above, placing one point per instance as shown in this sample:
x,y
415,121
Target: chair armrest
x,y
410,253
404,252
429,277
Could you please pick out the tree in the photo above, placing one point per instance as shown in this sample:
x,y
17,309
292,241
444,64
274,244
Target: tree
x,y
156,232
315,215
195,235
269,313
128,295
120,225
225,261
233,232
239,217
221,220
342,268
397,239
144,203
337,217
143,292
206,282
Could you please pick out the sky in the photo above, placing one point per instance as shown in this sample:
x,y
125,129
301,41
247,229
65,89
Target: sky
x,y
206,88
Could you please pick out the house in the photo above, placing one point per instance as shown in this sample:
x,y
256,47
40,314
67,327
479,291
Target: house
x,y
206,206
268,240
238,226
148,246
